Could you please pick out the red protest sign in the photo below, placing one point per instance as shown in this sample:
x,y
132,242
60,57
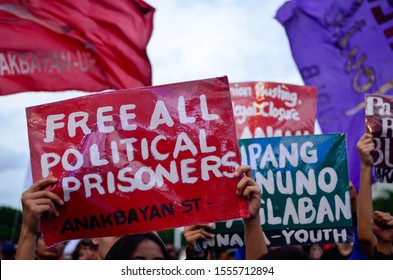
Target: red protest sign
x,y
265,109
379,122
138,160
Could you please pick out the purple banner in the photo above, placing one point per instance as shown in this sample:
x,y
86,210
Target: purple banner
x,y
345,48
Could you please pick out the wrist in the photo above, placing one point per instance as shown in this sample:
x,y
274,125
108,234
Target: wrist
x,y
28,233
384,246
367,165
252,220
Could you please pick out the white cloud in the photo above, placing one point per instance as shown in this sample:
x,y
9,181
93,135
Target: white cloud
x,y
202,39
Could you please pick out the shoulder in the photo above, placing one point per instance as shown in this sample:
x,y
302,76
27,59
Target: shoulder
x,y
378,255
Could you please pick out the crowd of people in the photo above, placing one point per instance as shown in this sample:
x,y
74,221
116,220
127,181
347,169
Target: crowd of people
x,y
373,229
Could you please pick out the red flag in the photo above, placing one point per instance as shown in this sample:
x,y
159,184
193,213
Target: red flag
x,y
68,44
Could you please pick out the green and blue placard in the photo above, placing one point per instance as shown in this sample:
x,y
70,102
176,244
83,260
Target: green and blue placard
x,y
305,191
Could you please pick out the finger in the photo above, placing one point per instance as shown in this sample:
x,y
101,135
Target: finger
x,y
53,208
188,230
48,194
55,197
369,143
370,146
194,227
194,236
243,184
37,203
43,209
43,183
251,191
207,235
366,146
390,223
207,225
248,172
243,169
386,217
367,136
201,235
192,232
196,231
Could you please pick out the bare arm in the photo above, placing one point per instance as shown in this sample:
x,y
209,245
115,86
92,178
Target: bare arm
x,y
253,234
35,202
365,207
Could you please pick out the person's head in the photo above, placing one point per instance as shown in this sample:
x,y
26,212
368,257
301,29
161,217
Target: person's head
x,y
315,252
104,244
85,250
146,246
52,253
285,253
225,254
8,250
171,251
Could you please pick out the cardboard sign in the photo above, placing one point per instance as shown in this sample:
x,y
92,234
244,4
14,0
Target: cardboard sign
x,y
264,109
379,122
138,160
305,191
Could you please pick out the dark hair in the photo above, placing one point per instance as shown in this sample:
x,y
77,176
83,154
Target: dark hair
x,y
285,253
84,242
125,246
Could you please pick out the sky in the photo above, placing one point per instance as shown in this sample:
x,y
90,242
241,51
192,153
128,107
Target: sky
x,y
191,40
